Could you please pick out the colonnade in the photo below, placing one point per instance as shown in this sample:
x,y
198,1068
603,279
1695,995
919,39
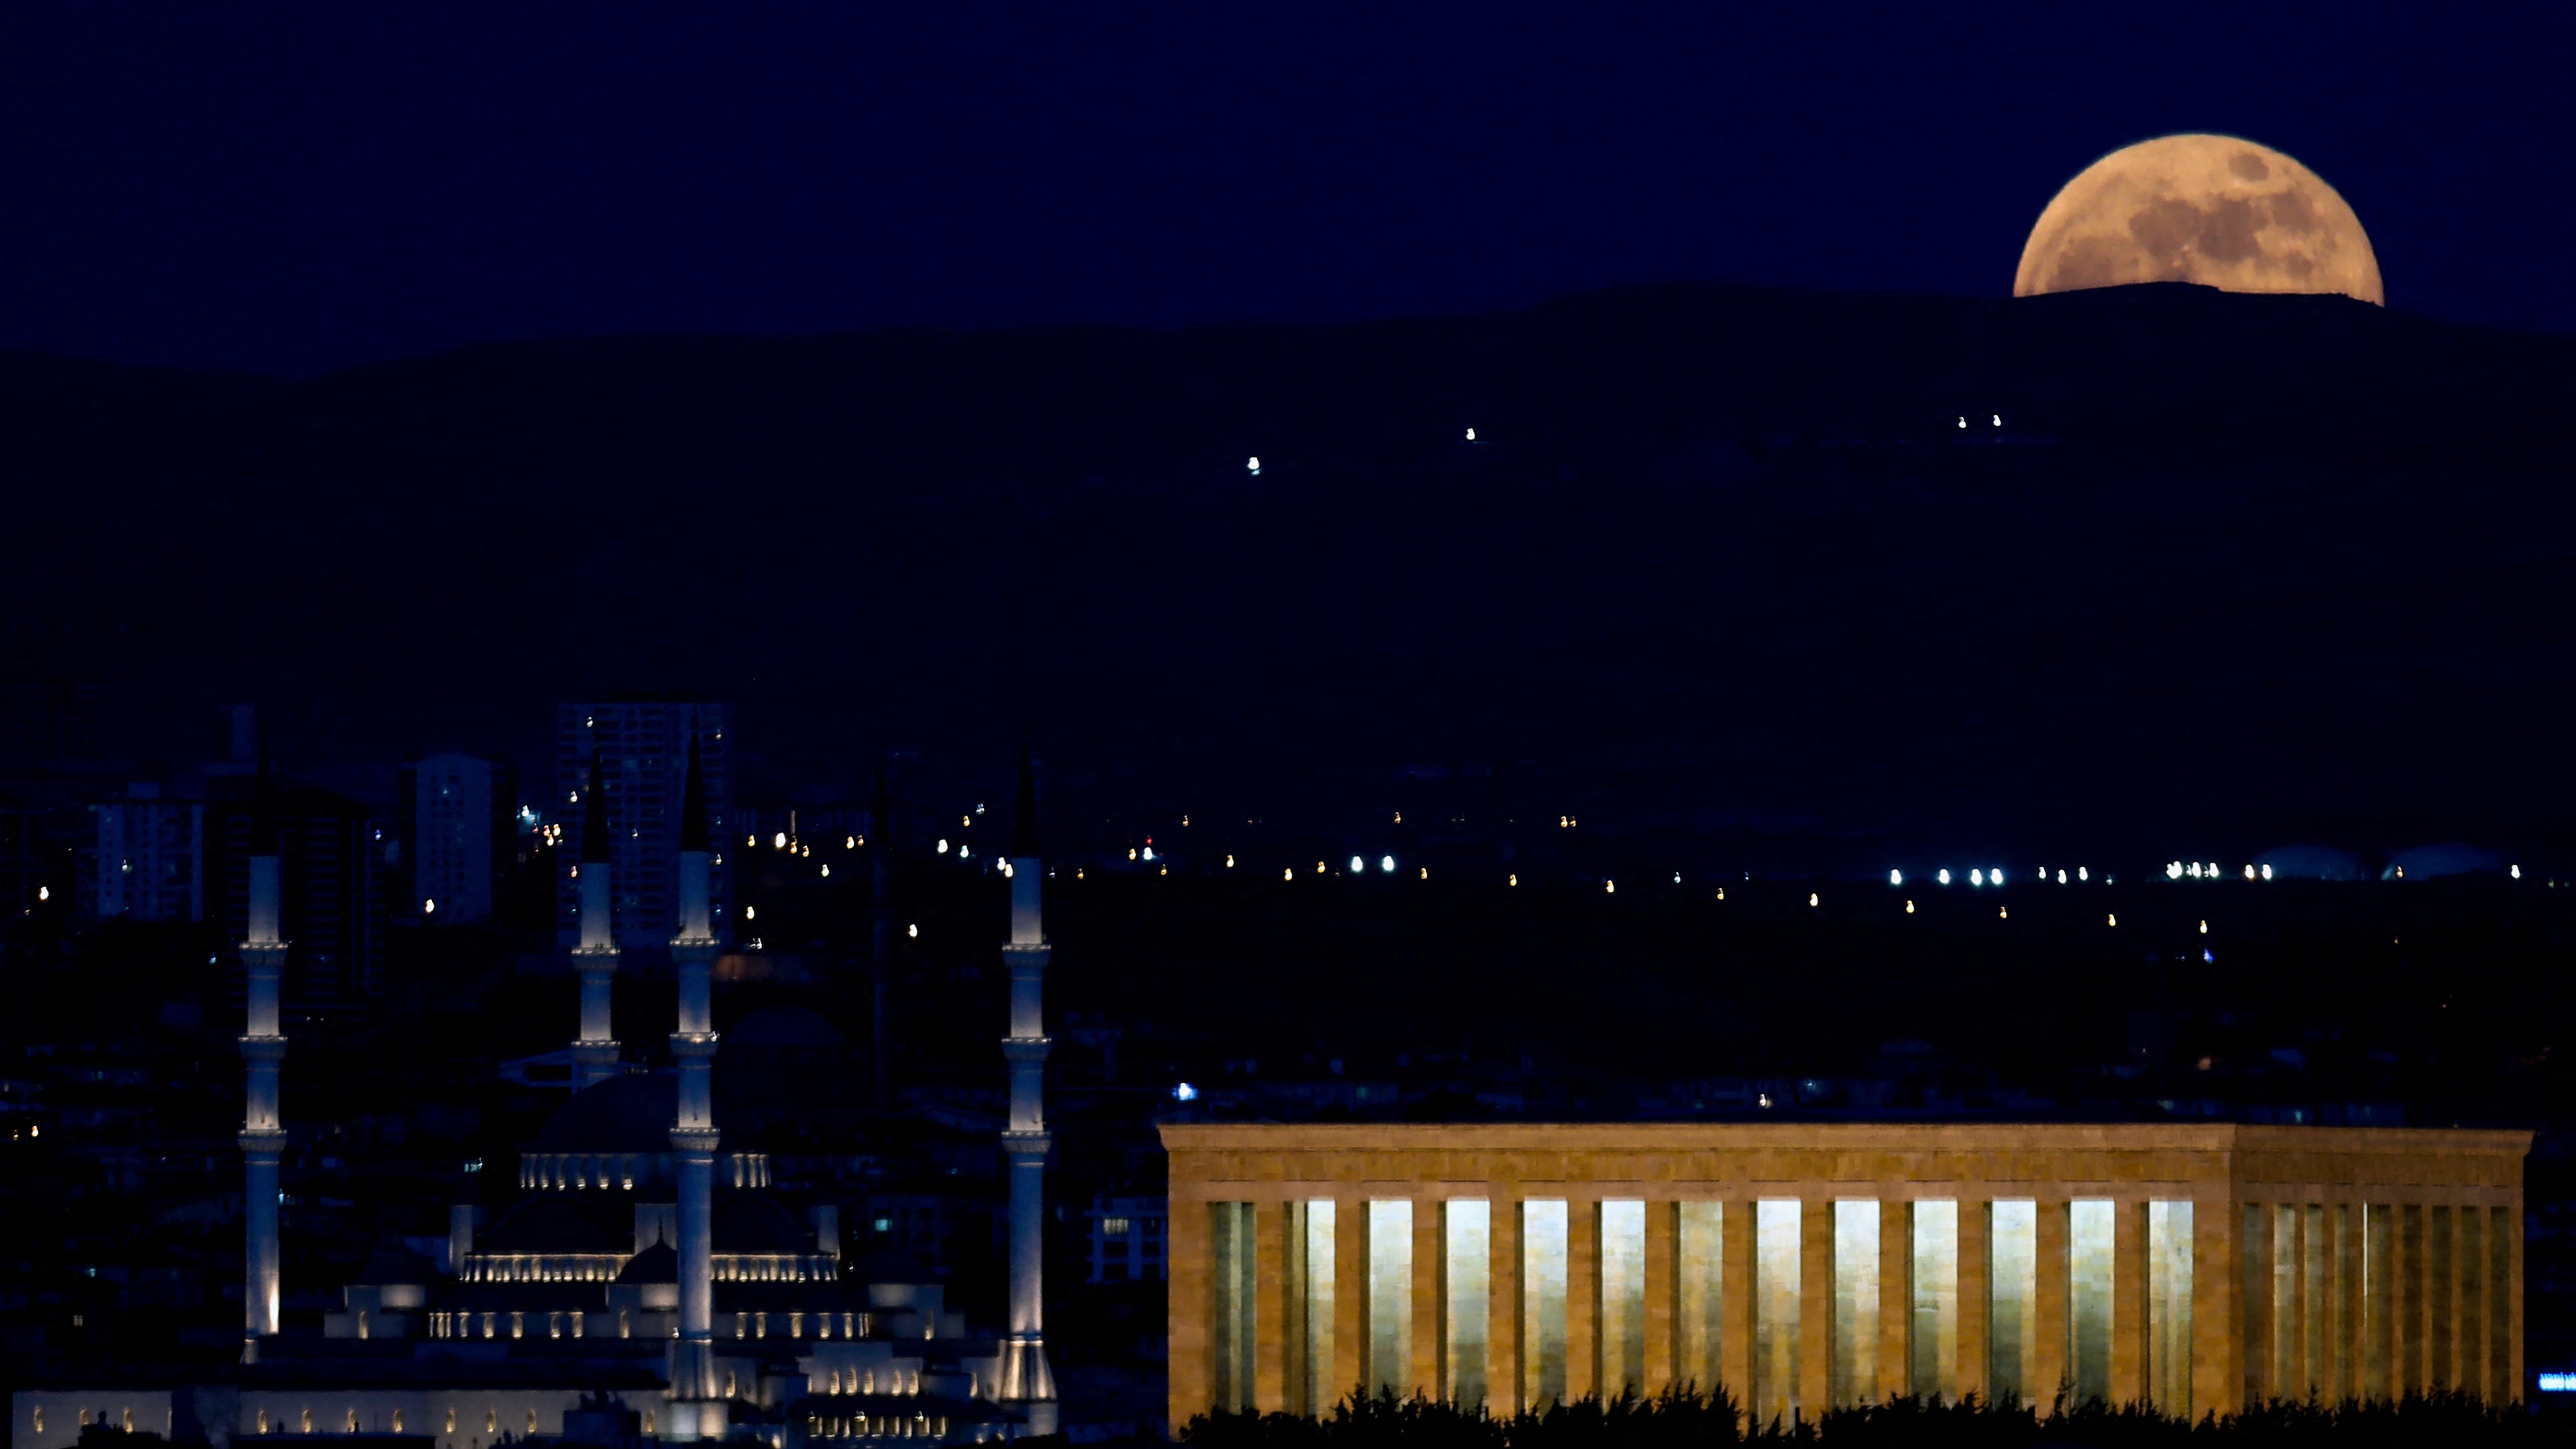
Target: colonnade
x,y
2187,1273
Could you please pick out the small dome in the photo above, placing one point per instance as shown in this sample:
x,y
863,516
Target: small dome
x,y
784,1026
2425,862
656,1264
623,1114
2310,862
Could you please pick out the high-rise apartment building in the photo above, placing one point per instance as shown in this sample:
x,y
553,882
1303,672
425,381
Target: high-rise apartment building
x,y
643,745
340,877
458,832
149,860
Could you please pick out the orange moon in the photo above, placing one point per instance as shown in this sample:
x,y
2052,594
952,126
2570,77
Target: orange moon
x,y
2216,210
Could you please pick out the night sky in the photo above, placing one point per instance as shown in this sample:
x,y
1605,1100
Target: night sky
x,y
292,189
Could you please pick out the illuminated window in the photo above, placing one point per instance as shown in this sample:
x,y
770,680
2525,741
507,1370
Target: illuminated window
x,y
1855,1342
1623,1296
2088,1317
1230,1236
1390,1295
1468,1236
1543,1302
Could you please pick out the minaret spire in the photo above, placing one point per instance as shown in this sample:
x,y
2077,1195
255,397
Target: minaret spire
x,y
594,1052
697,1408
263,1047
1026,1379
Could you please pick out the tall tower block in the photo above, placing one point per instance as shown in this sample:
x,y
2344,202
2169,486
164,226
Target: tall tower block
x,y
1026,1379
594,1052
263,1048
697,1407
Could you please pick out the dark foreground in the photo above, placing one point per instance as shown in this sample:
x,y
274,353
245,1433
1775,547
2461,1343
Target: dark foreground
x,y
1680,1419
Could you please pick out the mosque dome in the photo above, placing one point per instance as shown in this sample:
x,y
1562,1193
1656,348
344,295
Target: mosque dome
x,y
625,1114
2310,862
2425,862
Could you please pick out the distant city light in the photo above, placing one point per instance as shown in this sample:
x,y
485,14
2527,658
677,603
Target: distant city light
x,y
849,842
2003,913
1471,435
1944,876
1252,465
2249,872
2082,874
1909,908
2173,870
1977,877
1610,888
914,931
1896,877
2115,918
2516,871
827,872
780,842
1387,864
2061,877
1811,898
1185,1093
1513,879
428,907
1229,862
943,848
1997,875
1358,865
750,841
1426,873
2204,928
1287,873
1149,852
1008,870
1963,420
1999,420
44,893
2558,1383
1131,850
2267,870
751,913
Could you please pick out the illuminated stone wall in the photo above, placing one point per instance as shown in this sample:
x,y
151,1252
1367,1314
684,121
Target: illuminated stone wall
x,y
1799,1266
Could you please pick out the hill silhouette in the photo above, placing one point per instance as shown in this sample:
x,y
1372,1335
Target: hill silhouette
x,y
2252,568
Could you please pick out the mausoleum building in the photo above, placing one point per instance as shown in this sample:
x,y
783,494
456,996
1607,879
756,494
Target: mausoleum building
x,y
1803,1266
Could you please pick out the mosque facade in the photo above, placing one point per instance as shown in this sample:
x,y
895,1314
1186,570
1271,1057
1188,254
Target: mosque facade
x,y
1800,1266
650,1276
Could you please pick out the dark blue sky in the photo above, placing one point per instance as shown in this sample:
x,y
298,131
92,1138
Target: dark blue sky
x,y
292,188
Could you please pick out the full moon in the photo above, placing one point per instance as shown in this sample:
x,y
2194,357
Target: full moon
x,y
2216,210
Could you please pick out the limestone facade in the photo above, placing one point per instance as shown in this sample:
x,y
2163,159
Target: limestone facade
x,y
2195,1267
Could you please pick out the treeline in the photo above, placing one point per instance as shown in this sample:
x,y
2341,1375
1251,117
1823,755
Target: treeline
x,y
1685,1420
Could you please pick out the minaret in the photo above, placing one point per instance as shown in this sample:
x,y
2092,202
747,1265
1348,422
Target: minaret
x,y
594,1052
1026,1379
263,1047
697,1409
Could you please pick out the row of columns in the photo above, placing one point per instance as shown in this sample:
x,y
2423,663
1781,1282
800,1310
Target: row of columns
x,y
2232,1332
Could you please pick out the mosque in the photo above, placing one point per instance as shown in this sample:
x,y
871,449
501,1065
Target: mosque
x,y
649,1282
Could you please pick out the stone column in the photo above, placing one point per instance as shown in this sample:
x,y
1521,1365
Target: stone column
x,y
1350,1297
1735,1302
1190,1298
1896,1299
2128,1302
1815,1306
2218,1350
2441,1297
1663,1293
2410,1302
2049,1367
1582,1297
1504,1366
1273,1286
1976,1294
2511,1388
1428,1373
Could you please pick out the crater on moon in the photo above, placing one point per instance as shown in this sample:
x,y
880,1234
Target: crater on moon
x,y
2217,210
